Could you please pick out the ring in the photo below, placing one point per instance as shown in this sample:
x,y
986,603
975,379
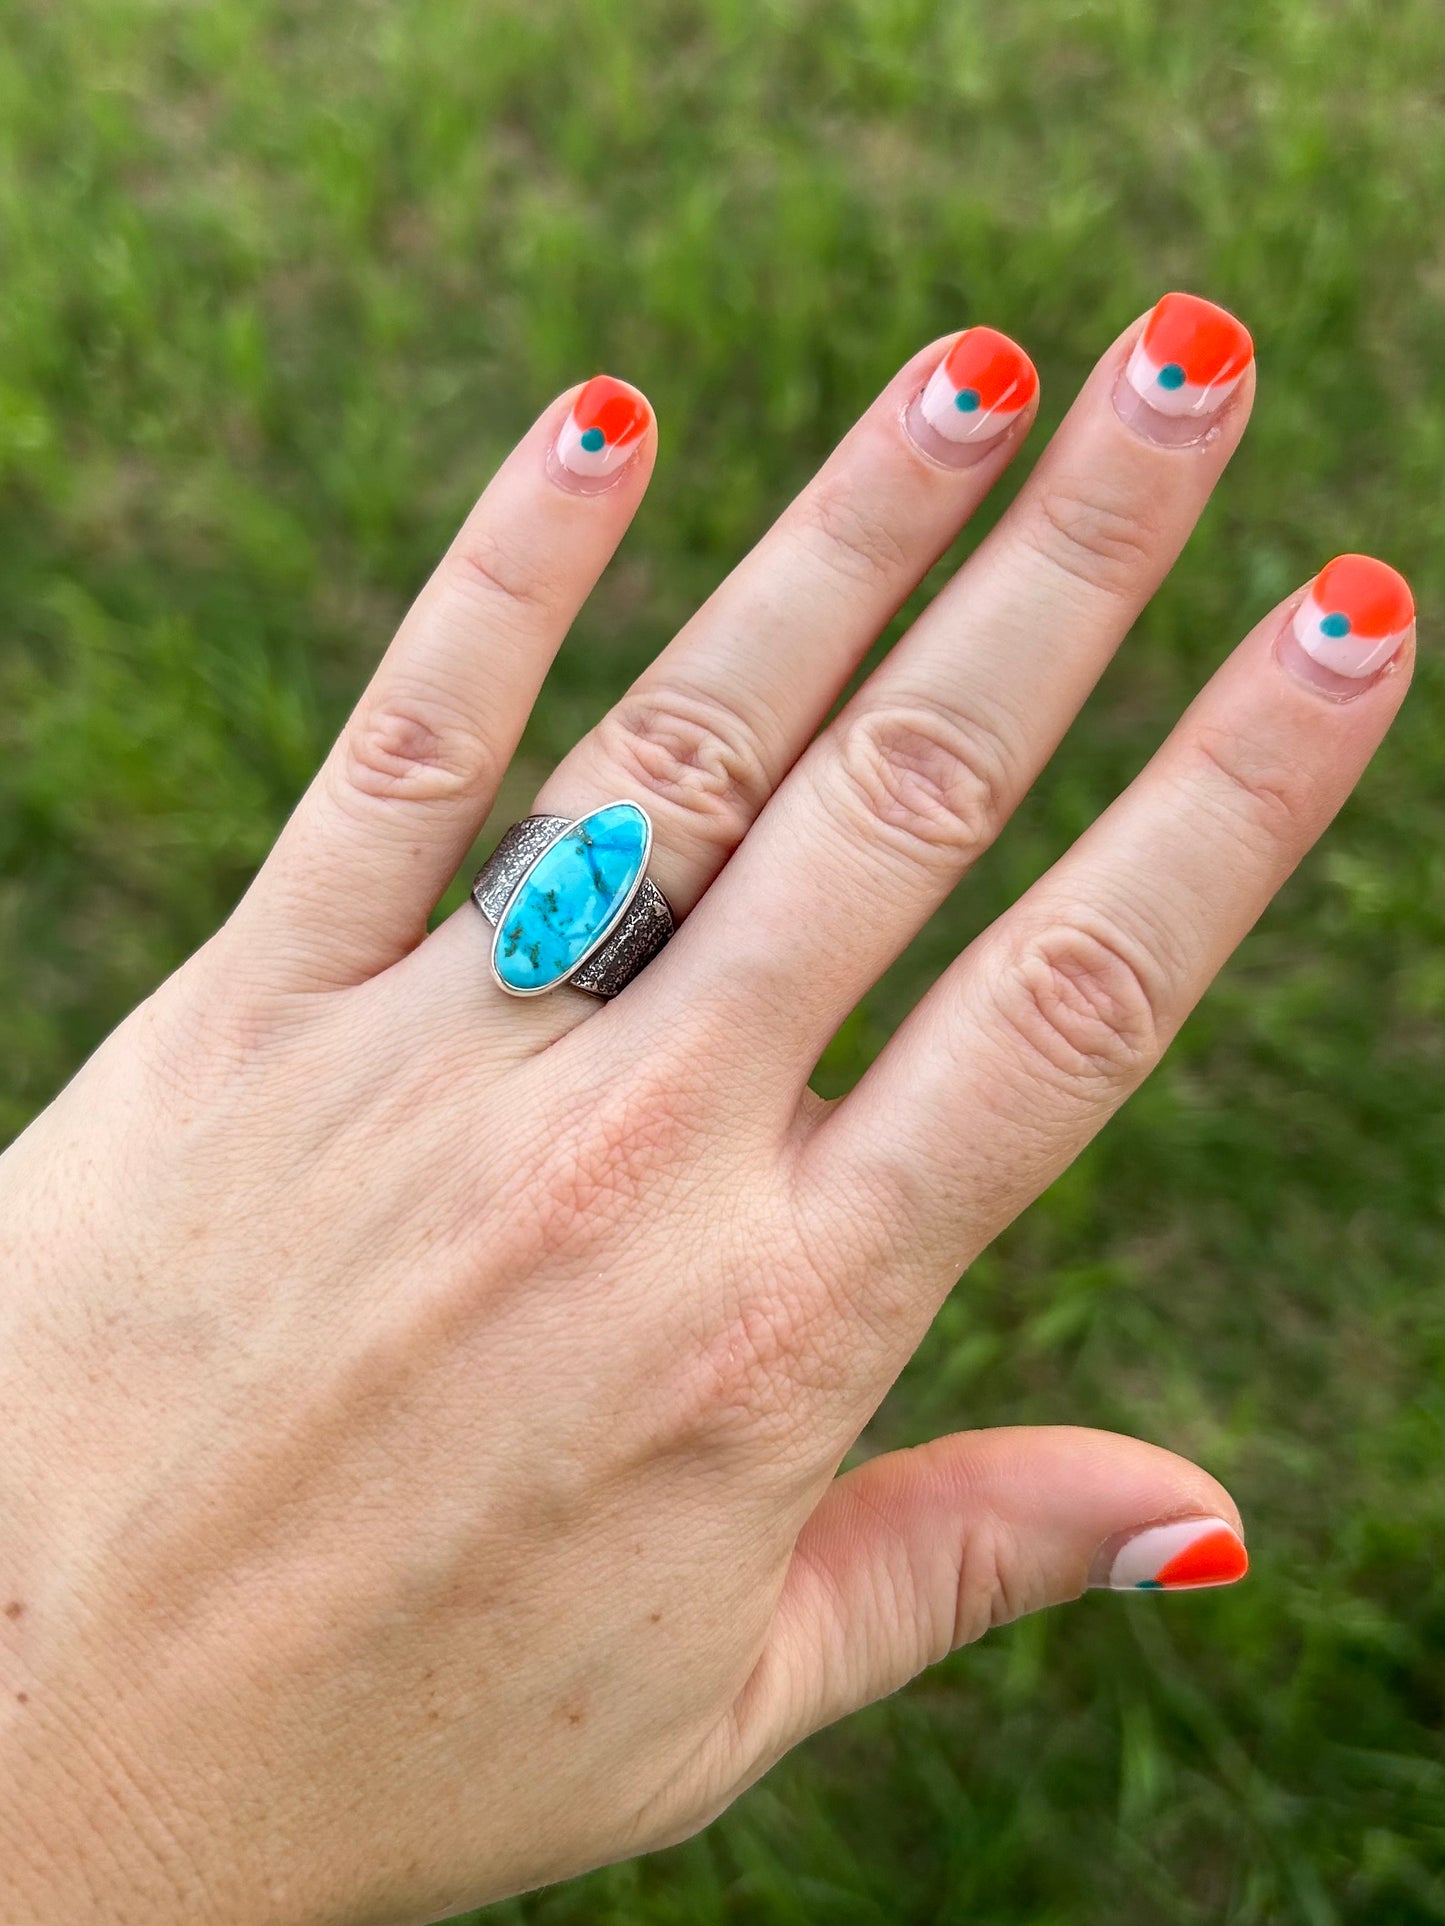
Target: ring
x,y
570,901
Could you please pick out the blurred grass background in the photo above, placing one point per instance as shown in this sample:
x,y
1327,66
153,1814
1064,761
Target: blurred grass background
x,y
279,283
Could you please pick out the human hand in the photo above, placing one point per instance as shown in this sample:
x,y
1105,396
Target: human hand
x,y
421,1408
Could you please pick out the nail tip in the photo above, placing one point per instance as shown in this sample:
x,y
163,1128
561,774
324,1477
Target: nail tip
x,y
1389,577
1201,309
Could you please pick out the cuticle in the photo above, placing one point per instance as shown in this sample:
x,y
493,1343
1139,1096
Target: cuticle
x,y
1015,429
913,401
1352,689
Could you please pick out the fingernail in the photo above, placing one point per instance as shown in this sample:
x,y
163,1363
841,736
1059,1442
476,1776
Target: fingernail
x,y
1349,627
1185,1554
600,436
975,394
1187,362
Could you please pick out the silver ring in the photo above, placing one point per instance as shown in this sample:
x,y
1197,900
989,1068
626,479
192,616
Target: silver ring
x,y
570,901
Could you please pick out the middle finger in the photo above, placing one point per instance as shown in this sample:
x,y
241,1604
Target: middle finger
x,y
915,777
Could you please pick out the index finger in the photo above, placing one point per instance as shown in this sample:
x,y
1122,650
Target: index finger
x,y
1047,1022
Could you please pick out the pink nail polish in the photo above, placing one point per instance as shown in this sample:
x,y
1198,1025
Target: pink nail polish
x,y
1349,628
1188,360
601,435
974,396
1182,1554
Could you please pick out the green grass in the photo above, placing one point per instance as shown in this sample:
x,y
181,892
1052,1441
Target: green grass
x,y
280,283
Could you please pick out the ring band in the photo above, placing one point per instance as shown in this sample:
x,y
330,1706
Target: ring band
x,y
571,902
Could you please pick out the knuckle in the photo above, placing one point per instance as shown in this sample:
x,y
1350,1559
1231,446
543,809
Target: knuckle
x,y
1088,1011
839,525
936,785
482,570
694,752
994,1587
1259,798
1106,542
413,749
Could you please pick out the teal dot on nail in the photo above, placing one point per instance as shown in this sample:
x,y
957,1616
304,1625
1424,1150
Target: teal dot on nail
x,y
1335,624
1171,375
1148,1585
966,400
593,439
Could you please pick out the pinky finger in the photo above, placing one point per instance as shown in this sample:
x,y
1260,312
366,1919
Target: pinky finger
x,y
393,810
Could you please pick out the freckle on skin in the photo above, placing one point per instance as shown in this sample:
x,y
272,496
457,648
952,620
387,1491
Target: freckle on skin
x,y
22,1698
654,1618
15,1608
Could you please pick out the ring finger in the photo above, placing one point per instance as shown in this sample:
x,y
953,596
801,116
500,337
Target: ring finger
x,y
705,735
708,731
713,725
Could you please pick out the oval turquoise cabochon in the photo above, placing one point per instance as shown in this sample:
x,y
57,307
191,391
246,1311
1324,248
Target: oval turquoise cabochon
x,y
571,897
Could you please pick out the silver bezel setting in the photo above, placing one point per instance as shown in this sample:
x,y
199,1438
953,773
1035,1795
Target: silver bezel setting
x,y
608,930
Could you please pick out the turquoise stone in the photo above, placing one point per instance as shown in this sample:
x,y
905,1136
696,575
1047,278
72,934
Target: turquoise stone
x,y
571,897
1171,375
966,400
593,439
1335,624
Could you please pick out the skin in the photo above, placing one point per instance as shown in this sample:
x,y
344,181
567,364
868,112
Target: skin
x,y
420,1409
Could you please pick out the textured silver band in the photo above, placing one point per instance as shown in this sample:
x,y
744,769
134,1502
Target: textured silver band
x,y
645,927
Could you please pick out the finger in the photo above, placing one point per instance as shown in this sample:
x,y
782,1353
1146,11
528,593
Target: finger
x,y
397,803
706,733
1047,1022
913,780
919,1552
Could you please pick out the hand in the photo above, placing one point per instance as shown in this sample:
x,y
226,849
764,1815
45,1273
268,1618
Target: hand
x,y
421,1407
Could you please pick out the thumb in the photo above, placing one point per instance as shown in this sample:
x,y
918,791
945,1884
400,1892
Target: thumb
x,y
921,1551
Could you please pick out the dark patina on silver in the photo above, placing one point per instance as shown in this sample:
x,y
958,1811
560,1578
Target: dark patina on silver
x,y
646,925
